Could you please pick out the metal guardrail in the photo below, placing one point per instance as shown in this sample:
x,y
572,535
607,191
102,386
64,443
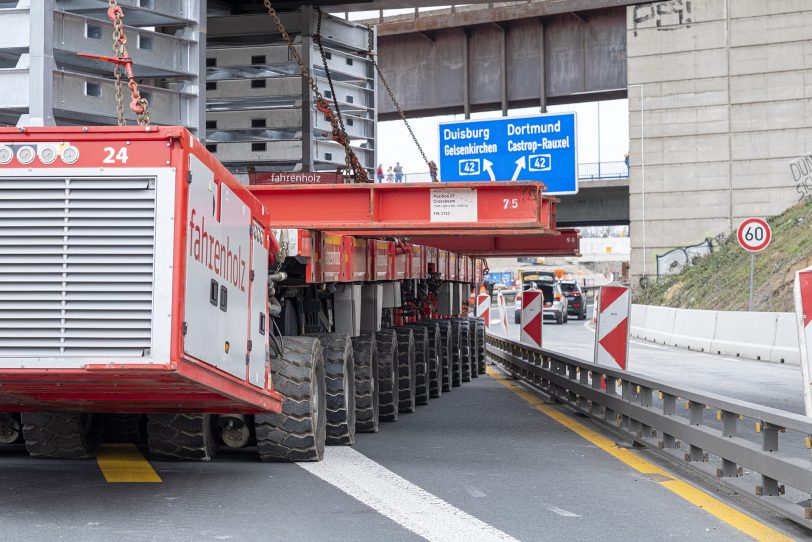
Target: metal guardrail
x,y
712,449
597,171
589,171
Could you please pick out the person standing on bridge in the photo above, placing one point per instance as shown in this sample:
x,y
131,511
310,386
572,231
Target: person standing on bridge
x,y
398,173
379,173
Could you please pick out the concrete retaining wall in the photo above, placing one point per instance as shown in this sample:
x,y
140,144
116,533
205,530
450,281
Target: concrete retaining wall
x,y
768,336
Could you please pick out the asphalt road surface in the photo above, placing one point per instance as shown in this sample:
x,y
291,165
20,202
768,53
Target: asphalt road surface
x,y
483,462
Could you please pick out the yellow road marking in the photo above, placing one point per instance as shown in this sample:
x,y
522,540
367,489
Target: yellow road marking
x,y
693,495
123,463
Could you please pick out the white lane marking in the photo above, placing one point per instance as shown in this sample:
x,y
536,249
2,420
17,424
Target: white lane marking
x,y
561,512
400,500
474,492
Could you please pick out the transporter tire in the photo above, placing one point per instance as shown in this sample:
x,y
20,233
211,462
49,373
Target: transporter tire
x,y
466,356
11,428
435,376
365,356
299,432
61,435
473,332
481,342
339,369
386,342
124,428
421,363
181,437
446,353
407,373
456,352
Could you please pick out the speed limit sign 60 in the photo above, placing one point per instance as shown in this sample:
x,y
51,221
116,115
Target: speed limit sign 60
x,y
754,234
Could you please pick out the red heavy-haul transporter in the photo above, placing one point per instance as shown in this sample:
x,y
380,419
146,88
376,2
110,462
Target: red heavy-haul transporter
x,y
147,294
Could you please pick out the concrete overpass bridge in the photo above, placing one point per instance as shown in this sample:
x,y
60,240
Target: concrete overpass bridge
x,y
524,54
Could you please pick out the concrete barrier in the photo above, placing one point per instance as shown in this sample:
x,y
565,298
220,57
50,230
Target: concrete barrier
x,y
637,320
744,334
768,336
786,349
693,329
658,325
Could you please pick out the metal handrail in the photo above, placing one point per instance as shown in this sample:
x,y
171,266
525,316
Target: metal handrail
x,y
593,390
587,171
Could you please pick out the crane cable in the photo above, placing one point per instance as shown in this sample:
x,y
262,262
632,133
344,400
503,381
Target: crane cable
x,y
354,170
430,163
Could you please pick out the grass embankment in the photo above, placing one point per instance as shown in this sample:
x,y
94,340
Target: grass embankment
x,y
721,280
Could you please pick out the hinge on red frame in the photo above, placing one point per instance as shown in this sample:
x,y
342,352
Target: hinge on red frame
x,y
251,276
189,178
185,328
250,345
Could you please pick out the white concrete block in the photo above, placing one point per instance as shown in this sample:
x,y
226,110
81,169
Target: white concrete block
x,y
678,94
763,87
755,8
758,174
744,334
669,15
777,28
675,39
771,58
677,66
786,348
659,324
690,177
788,144
769,201
772,115
693,329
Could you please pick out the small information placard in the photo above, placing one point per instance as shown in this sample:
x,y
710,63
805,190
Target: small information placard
x,y
459,205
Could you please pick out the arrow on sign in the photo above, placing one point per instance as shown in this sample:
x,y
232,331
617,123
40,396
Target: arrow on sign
x,y
487,165
521,163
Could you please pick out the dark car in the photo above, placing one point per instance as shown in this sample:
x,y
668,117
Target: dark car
x,y
575,296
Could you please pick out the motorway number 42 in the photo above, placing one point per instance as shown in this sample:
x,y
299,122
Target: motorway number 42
x,y
116,156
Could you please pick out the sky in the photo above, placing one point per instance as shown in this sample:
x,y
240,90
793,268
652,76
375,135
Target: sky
x,y
609,144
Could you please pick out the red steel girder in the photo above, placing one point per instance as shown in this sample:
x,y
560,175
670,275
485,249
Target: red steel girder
x,y
565,244
385,210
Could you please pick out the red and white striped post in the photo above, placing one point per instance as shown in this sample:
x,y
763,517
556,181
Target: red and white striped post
x,y
596,308
503,317
612,331
803,310
532,319
483,309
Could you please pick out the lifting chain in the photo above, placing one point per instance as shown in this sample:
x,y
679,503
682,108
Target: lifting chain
x,y
354,168
138,104
371,52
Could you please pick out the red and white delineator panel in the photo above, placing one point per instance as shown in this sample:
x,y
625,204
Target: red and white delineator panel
x,y
483,309
112,241
532,317
803,310
612,330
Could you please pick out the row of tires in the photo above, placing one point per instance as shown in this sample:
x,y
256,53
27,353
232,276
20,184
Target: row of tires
x,y
333,386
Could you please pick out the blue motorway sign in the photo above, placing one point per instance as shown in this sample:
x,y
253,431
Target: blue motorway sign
x,y
538,148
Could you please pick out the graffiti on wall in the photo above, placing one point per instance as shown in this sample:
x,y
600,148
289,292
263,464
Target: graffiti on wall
x,y
668,15
801,170
676,260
